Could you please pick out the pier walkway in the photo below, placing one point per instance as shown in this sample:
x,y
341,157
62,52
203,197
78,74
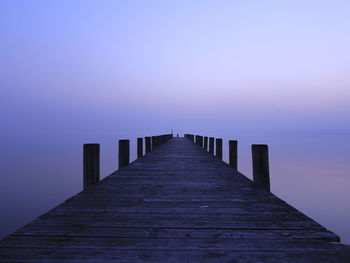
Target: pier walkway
x,y
177,203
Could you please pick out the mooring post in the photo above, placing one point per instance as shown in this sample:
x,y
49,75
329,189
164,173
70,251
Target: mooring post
x,y
200,143
154,142
124,153
211,145
205,143
139,147
233,154
192,137
91,164
260,158
148,144
219,148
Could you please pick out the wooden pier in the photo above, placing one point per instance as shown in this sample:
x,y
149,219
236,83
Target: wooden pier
x,y
178,203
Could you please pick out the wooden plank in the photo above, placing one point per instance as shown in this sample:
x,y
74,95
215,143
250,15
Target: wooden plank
x,y
176,232
78,255
179,244
182,223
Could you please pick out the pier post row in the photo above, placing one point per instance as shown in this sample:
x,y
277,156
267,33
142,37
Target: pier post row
x,y
148,144
233,154
91,164
201,141
139,147
124,153
197,139
219,148
205,146
260,158
154,142
211,145
190,137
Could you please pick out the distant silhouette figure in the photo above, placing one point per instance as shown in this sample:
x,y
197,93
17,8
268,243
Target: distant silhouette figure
x,y
177,135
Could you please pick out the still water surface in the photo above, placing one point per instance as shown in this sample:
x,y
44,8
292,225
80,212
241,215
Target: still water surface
x,y
308,170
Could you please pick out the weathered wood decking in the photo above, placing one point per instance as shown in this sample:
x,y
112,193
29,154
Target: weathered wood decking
x,y
176,204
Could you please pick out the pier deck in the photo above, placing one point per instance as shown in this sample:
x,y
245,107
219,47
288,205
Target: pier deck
x,y
176,204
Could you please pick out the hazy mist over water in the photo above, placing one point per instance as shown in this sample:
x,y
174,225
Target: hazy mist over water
x,y
274,72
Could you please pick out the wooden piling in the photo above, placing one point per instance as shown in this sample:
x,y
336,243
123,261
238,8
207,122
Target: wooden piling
x,y
148,144
189,136
260,158
124,153
139,147
192,137
200,142
219,148
233,154
154,143
91,164
197,139
205,143
211,145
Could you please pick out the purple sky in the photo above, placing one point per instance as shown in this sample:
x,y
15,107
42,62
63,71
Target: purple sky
x,y
73,72
257,65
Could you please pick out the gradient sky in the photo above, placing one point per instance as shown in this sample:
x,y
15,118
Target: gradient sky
x,y
74,72
244,65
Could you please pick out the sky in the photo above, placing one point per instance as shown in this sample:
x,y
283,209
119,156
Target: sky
x,y
74,72
243,65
